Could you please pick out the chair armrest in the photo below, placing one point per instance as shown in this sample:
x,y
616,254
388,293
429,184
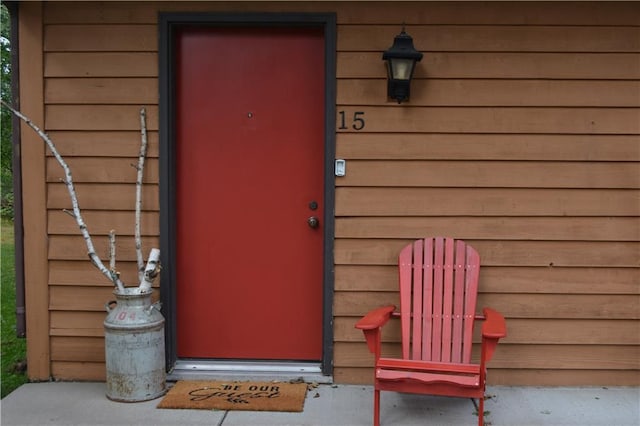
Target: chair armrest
x,y
371,325
493,329
376,318
494,326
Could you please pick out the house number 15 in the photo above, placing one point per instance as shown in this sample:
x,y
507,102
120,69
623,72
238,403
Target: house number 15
x,y
357,123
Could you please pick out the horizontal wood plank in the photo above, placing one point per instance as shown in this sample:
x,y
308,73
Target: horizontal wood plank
x,y
517,120
103,144
499,65
503,13
143,37
79,298
546,377
76,298
79,349
394,119
102,222
542,306
573,332
103,169
77,323
79,370
103,13
544,280
549,148
96,196
504,174
101,91
83,273
492,228
529,331
101,64
96,38
468,38
147,12
435,65
589,280
521,93
502,253
99,117
72,247
564,306
485,202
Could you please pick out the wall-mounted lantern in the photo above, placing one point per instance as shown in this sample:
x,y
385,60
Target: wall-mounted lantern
x,y
401,61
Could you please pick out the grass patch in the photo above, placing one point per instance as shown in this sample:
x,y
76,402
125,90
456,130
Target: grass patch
x,y
12,360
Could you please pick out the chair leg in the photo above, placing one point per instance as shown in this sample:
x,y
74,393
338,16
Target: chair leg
x,y
376,407
481,411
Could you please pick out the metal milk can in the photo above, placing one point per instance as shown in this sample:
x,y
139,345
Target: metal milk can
x,y
134,347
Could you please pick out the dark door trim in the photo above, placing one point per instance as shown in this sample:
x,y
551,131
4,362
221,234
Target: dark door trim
x,y
168,24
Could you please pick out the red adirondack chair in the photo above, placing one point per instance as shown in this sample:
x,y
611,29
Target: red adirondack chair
x,y
438,292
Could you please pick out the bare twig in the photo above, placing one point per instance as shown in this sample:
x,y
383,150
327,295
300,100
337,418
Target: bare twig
x,y
95,260
112,251
70,213
140,168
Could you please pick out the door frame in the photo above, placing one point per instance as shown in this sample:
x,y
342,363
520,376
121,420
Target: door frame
x,y
168,23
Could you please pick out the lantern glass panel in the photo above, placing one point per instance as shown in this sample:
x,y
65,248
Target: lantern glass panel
x,y
401,68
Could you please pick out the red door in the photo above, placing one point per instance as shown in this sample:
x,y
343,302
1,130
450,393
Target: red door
x,y
249,163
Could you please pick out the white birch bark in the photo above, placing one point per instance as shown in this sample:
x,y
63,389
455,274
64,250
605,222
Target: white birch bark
x,y
140,168
112,251
93,257
151,270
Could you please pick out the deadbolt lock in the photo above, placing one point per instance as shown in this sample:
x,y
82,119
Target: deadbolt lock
x,y
313,222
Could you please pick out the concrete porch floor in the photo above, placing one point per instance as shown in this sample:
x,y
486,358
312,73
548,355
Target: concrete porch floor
x,y
82,403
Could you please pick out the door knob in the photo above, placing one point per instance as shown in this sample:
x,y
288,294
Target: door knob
x,y
313,222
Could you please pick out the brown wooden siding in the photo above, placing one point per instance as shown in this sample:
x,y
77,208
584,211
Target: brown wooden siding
x,y
502,145
32,152
522,136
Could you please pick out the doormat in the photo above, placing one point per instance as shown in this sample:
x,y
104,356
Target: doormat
x,y
247,396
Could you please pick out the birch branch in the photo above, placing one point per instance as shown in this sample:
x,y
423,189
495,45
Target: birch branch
x,y
151,270
112,251
141,157
95,260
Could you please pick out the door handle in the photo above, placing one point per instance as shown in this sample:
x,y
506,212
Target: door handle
x,y
313,222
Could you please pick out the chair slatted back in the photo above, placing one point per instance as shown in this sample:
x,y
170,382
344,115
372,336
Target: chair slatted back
x,y
438,293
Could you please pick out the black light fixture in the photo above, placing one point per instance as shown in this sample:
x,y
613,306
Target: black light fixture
x,y
401,61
